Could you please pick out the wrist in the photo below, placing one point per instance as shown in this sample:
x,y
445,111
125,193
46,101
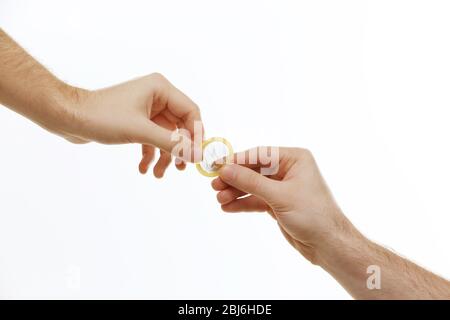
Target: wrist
x,y
71,103
345,239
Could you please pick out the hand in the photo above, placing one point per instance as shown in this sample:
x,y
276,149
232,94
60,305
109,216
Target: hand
x,y
146,111
295,195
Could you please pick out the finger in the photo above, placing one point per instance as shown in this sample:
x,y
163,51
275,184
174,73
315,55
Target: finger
x,y
180,164
184,108
247,180
148,154
75,140
247,204
149,151
162,164
196,137
218,185
180,105
164,122
170,141
170,123
229,194
265,160
170,116
256,157
197,132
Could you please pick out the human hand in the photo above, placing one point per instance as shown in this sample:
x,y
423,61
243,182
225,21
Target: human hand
x,y
295,195
147,111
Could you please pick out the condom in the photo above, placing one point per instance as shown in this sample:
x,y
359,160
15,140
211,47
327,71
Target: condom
x,y
214,149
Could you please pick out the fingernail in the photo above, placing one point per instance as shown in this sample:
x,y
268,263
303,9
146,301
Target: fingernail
x,y
216,166
227,172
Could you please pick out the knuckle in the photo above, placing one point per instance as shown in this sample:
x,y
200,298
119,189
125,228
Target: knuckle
x,y
194,111
304,153
158,77
261,149
264,151
196,108
253,182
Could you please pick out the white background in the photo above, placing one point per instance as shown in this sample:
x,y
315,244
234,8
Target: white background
x,y
363,84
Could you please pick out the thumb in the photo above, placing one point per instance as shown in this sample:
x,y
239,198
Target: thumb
x,y
249,181
173,142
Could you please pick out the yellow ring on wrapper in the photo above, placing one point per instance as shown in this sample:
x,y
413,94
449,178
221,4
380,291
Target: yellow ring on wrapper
x,y
204,167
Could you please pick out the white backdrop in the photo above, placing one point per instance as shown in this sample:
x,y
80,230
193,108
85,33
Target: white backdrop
x,y
363,84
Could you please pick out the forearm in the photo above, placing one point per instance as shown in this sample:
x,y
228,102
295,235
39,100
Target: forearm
x,y
348,258
29,89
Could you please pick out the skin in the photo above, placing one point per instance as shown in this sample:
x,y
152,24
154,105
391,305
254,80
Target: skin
x,y
298,198
149,109
146,110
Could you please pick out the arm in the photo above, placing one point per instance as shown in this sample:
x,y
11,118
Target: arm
x,y
146,110
29,89
355,262
298,198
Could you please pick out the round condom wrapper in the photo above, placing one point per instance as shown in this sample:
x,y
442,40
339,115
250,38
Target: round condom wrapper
x,y
214,149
